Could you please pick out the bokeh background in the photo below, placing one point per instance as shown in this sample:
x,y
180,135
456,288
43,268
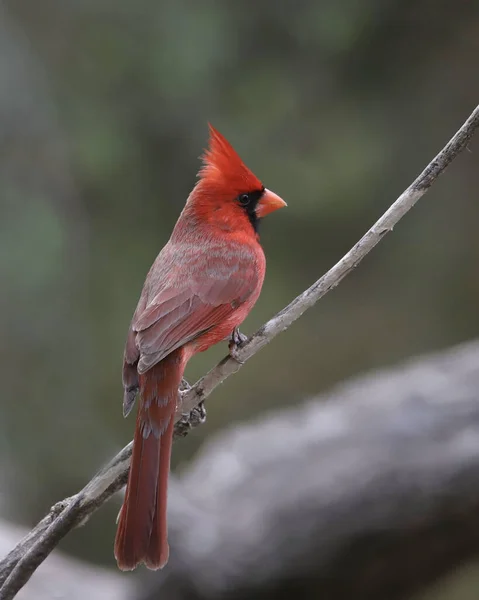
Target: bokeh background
x,y
103,113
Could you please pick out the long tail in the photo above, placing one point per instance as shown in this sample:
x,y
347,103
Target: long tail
x,y
142,534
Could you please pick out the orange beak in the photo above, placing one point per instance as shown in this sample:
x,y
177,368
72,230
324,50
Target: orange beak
x,y
268,203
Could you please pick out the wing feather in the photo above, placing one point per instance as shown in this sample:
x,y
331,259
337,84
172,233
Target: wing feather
x,y
184,307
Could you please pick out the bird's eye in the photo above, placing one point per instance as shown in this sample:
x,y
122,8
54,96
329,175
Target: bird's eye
x,y
244,199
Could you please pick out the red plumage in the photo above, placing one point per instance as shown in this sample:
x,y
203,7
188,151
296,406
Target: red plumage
x,y
200,288
223,171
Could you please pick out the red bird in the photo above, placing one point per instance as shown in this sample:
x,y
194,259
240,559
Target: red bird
x,y
199,290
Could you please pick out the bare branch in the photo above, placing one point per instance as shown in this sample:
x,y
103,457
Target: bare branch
x,y
18,566
72,578
203,388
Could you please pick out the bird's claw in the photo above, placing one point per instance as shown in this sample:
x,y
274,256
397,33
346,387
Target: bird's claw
x,y
196,417
184,385
237,340
200,412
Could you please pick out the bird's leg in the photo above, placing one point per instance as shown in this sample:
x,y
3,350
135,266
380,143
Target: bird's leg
x,y
189,420
237,339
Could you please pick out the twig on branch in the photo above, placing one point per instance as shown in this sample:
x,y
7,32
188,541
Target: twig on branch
x,y
19,565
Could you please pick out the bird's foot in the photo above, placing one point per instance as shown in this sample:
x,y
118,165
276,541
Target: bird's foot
x,y
200,413
184,386
237,340
196,417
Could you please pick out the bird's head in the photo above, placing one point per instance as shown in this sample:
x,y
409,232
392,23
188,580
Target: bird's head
x,y
228,194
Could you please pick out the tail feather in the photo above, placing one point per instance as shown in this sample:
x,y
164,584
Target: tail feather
x,y
142,528
158,549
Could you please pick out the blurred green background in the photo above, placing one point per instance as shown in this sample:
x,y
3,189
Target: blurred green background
x,y
104,105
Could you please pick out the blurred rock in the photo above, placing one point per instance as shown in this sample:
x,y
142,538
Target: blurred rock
x,y
371,491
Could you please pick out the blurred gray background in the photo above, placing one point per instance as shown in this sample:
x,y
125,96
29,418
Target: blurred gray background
x,y
104,106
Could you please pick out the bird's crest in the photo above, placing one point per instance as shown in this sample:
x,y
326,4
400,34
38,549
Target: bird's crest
x,y
223,169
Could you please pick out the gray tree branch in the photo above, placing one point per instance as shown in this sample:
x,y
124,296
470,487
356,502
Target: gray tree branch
x,y
66,578
19,565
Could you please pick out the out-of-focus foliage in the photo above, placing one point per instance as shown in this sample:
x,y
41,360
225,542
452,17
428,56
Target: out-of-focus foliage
x,y
103,112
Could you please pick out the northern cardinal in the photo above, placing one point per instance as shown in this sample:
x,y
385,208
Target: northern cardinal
x,y
199,290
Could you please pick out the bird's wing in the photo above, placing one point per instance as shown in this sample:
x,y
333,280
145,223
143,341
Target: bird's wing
x,y
189,304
